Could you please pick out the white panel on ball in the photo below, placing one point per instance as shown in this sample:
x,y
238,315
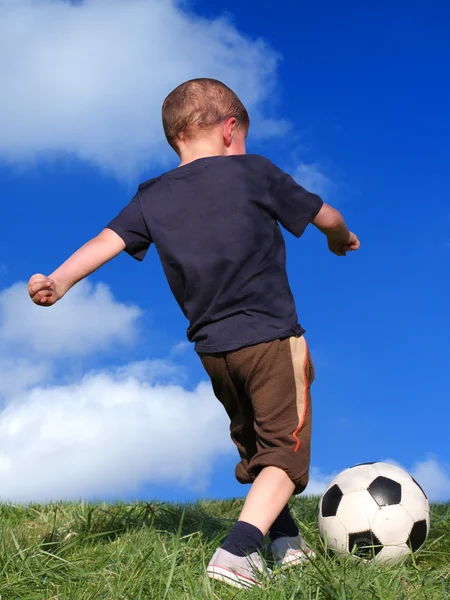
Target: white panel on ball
x,y
356,478
414,500
393,554
392,525
335,534
357,511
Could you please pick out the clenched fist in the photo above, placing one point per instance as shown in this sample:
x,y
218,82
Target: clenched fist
x,y
340,249
43,290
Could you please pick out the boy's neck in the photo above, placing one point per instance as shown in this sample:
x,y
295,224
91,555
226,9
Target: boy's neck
x,y
191,156
192,152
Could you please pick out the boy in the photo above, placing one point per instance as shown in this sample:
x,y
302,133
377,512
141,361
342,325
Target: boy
x,y
215,223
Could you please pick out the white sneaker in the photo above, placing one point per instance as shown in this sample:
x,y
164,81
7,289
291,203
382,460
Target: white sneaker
x,y
238,571
289,551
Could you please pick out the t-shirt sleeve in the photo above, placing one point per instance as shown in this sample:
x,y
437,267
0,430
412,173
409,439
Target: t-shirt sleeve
x,y
131,227
293,206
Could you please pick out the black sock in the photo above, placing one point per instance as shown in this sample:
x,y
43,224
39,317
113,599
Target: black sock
x,y
284,525
243,539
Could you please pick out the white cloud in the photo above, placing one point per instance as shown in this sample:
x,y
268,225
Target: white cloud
x,y
434,478
88,79
180,348
18,374
313,179
108,434
87,319
157,371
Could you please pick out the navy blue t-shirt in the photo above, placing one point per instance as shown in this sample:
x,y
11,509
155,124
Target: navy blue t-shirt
x,y
215,225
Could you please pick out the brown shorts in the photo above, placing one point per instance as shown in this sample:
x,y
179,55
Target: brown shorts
x,y
265,390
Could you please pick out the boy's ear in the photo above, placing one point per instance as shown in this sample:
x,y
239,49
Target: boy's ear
x,y
229,129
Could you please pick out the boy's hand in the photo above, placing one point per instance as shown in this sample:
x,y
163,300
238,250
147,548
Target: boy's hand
x,y
340,249
42,290
330,222
46,291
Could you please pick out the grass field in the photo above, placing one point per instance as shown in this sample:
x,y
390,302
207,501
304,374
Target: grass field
x,y
158,551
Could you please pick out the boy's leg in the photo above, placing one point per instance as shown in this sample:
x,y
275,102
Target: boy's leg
x,y
277,377
244,538
284,525
236,562
265,390
267,497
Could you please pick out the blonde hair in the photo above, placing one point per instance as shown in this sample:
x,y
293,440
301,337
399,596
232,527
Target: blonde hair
x,y
200,103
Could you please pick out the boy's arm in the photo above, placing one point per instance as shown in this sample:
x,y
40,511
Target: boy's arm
x,y
295,208
45,291
330,222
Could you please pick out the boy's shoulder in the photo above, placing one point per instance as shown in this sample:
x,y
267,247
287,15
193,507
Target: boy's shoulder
x,y
260,163
258,159
149,183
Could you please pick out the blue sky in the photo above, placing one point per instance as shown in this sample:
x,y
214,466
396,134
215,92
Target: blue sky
x,y
353,102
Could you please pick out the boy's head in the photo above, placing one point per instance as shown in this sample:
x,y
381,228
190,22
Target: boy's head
x,y
205,110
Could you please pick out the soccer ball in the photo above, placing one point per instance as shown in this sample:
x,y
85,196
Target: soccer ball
x,y
375,511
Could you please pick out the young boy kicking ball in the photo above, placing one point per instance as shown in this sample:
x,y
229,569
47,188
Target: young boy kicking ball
x,y
214,221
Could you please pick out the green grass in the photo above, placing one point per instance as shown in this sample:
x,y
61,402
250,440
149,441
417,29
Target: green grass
x,y
159,551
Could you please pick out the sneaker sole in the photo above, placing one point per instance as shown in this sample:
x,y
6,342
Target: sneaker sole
x,y
230,577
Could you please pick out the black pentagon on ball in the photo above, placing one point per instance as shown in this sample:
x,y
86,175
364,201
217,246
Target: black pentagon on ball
x,y
331,501
364,544
418,535
385,491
